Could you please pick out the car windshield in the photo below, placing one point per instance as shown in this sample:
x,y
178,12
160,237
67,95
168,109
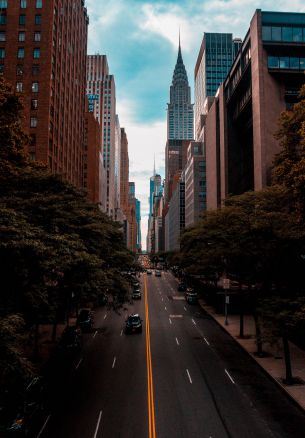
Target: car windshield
x,y
133,319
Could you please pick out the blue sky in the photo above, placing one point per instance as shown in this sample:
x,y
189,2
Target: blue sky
x,y
140,39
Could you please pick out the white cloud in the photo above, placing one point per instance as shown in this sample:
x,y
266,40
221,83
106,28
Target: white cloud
x,y
167,24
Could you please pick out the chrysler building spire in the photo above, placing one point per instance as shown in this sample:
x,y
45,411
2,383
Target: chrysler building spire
x,y
180,109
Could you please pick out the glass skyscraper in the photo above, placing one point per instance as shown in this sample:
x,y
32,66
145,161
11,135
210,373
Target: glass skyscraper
x,y
216,55
180,112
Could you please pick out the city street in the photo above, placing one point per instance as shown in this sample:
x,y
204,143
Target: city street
x,y
183,376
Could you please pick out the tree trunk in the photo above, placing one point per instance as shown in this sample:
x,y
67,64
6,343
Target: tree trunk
x,y
258,334
289,378
54,331
241,315
36,339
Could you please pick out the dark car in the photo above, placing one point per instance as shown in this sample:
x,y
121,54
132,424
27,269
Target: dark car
x,y
191,296
148,272
133,324
181,287
136,294
158,273
70,339
85,320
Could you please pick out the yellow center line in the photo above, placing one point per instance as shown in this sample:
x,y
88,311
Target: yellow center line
x,y
150,387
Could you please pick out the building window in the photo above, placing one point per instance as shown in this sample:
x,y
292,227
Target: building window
x,y
3,4
38,4
2,53
21,36
273,62
20,53
19,87
19,70
2,36
37,36
37,19
33,122
36,53
22,20
287,33
23,4
2,19
35,87
297,34
294,63
32,156
284,62
35,69
34,104
1,69
32,139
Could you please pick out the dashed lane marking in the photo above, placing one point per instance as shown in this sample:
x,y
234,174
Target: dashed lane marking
x,y
228,374
189,376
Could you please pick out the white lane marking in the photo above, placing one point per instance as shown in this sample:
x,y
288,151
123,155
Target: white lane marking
x,y
206,341
95,334
80,361
114,361
170,321
105,316
98,424
165,308
121,333
227,373
176,316
185,308
177,341
189,376
162,299
44,426
194,322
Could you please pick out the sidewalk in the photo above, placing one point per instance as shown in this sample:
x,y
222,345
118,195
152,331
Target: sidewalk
x,y
274,364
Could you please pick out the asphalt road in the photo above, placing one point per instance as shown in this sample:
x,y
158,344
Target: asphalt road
x,y
182,377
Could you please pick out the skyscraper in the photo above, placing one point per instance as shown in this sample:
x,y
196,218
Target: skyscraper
x,y
216,55
102,102
180,112
36,56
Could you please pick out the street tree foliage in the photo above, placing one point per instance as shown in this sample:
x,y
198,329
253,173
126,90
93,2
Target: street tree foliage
x,y
57,250
289,164
258,238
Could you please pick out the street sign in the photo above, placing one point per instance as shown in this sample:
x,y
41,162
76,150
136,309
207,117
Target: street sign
x,y
227,299
226,283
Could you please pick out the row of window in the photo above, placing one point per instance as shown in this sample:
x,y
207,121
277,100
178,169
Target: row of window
x,y
21,53
20,69
283,33
23,4
35,88
22,19
286,62
21,36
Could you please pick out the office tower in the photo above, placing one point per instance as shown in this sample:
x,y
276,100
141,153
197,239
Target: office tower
x,y
124,173
132,232
175,217
263,81
180,124
102,102
37,57
138,219
216,55
91,158
195,183
117,170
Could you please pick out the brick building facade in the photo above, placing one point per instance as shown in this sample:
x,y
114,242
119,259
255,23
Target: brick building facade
x,y
43,45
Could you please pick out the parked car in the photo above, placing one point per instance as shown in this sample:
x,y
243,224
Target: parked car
x,y
70,339
136,294
133,324
148,272
85,320
181,286
191,296
158,273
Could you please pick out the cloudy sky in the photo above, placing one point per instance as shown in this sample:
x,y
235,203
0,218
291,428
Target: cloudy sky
x,y
140,39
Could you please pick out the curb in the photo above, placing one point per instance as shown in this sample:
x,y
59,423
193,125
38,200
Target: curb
x,y
273,379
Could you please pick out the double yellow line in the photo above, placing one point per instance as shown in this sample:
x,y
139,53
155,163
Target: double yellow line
x,y
150,386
